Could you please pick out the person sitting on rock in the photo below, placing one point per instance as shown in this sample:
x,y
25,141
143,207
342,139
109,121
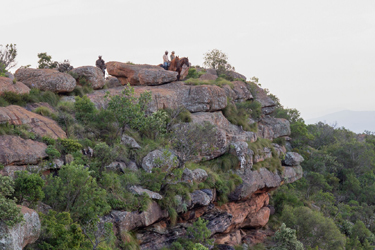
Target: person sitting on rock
x,y
165,60
173,56
101,64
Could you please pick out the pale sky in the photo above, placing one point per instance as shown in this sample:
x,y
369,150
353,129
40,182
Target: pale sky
x,y
316,56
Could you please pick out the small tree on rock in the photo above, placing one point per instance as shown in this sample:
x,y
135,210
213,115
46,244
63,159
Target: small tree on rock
x,y
218,60
7,57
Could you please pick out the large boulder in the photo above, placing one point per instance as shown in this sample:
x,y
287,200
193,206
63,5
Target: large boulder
x,y
46,79
22,234
208,77
37,124
140,74
7,85
113,82
204,98
238,92
130,142
139,191
197,175
93,75
293,159
17,151
151,160
271,128
235,75
268,105
127,221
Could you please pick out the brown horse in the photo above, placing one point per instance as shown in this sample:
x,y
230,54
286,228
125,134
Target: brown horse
x,y
181,62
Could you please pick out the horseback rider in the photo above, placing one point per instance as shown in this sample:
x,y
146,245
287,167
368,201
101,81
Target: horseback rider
x,y
101,64
173,56
166,62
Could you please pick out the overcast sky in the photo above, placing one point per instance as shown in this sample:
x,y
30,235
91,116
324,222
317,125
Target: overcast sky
x,y
316,56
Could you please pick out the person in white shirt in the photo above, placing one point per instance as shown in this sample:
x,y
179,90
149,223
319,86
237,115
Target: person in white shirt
x,y
165,60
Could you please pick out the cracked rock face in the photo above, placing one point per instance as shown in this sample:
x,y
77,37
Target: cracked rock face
x,y
204,98
17,151
22,234
93,75
46,79
38,124
140,74
7,85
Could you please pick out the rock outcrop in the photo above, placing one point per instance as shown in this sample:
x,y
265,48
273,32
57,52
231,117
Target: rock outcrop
x,y
268,105
140,74
272,128
46,79
17,151
22,234
93,75
239,92
204,98
37,124
7,85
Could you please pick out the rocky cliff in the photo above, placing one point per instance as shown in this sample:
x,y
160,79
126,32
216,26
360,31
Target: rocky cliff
x,y
262,167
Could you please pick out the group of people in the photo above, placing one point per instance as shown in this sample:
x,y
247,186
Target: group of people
x,y
166,61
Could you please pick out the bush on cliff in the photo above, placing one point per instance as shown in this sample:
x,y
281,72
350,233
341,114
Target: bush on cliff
x,y
28,187
10,214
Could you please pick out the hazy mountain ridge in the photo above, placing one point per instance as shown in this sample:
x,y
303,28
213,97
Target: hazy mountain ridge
x,y
356,121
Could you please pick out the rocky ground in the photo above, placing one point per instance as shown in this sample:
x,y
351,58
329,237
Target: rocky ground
x,y
242,220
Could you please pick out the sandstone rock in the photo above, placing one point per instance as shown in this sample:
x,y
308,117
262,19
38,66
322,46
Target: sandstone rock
x,y
197,175
211,71
292,174
140,74
46,79
33,106
293,159
280,150
268,105
227,241
208,77
236,75
113,82
226,134
243,152
153,240
127,221
15,150
148,162
92,74
130,142
11,169
243,211
131,165
218,222
272,128
262,155
7,85
139,190
199,198
253,181
173,95
241,91
254,237
22,234
38,124
259,219
116,166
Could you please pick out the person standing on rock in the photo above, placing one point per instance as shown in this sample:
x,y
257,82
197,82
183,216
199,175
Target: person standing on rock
x,y
101,64
173,56
165,60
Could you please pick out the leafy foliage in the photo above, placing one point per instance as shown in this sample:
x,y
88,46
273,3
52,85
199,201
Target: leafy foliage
x,y
218,60
9,212
7,57
28,187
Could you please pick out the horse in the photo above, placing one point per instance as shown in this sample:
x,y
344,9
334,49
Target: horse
x,y
177,64
180,63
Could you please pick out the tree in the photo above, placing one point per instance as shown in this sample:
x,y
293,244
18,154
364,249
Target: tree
x,y
28,187
45,61
198,233
77,192
286,239
128,110
59,232
10,214
217,59
98,232
7,57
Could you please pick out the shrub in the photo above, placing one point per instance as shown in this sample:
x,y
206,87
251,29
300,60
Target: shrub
x,y
193,73
10,214
52,152
216,59
28,187
70,145
281,141
48,140
240,113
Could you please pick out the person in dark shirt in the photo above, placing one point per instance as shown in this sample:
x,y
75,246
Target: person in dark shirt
x,y
101,64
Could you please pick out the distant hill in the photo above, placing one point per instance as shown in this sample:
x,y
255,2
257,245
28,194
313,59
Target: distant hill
x,y
356,121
